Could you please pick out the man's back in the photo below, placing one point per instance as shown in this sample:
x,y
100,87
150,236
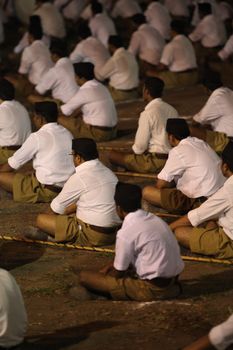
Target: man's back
x,y
159,18
218,111
102,26
15,124
195,167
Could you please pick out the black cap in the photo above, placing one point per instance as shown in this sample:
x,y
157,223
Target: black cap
x,y
85,148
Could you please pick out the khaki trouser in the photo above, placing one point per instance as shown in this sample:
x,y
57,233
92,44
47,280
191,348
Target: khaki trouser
x,y
144,163
5,154
123,95
178,79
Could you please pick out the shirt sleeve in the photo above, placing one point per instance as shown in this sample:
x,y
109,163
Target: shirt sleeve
x,y
46,82
209,112
197,33
74,103
25,63
123,255
134,44
26,152
221,336
216,205
227,50
69,195
107,70
167,55
173,167
143,135
77,54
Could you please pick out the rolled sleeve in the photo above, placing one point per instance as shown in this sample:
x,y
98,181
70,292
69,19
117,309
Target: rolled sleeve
x,y
26,152
46,83
173,167
143,135
57,207
221,336
193,217
74,103
123,255
25,63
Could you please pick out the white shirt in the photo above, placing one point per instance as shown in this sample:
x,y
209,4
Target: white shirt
x,y
177,7
221,336
179,54
158,17
35,61
49,150
92,187
23,9
102,26
147,43
52,21
60,79
225,10
210,31
151,133
121,69
218,206
218,111
90,50
126,8
24,43
96,104
15,124
227,51
73,9
146,242
195,168
13,317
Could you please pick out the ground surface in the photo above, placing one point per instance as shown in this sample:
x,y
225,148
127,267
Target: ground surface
x,y
45,275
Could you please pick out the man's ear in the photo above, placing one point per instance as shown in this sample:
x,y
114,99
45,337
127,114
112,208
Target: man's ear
x,y
225,168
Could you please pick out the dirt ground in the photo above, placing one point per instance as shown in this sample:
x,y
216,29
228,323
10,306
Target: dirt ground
x,y
45,275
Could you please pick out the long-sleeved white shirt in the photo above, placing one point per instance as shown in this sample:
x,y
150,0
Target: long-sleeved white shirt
x,y
92,187
49,150
151,133
96,104
15,123
60,79
227,50
158,17
102,26
35,61
210,31
218,111
147,43
121,69
179,54
218,206
195,168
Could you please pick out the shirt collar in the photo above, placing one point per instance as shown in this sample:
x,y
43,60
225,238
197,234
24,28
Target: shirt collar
x,y
61,61
154,101
48,126
87,164
119,51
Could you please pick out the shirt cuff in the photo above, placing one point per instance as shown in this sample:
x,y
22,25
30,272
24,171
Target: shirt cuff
x,y
56,208
137,150
65,110
222,55
13,163
193,217
40,90
217,338
164,176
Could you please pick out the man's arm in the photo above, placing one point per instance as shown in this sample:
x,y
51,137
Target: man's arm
x,y
200,344
107,70
183,221
163,184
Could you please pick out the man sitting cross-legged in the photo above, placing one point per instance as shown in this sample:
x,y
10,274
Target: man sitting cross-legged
x,y
89,193
91,111
191,172
151,146
48,148
147,259
215,236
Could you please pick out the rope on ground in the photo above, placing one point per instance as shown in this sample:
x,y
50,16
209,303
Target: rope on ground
x,y
127,173
107,250
112,148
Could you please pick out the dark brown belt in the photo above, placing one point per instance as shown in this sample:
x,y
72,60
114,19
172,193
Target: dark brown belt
x,y
161,155
187,71
53,188
104,128
130,90
11,148
162,282
101,229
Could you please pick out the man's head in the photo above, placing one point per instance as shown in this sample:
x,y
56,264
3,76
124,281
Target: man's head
x,y
58,50
127,198
83,150
212,80
153,88
96,7
84,71
45,112
177,130
178,27
35,33
83,31
114,43
204,9
138,19
7,90
227,160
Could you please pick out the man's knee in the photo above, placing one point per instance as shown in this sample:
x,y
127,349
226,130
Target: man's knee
x,y
40,220
150,193
183,236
